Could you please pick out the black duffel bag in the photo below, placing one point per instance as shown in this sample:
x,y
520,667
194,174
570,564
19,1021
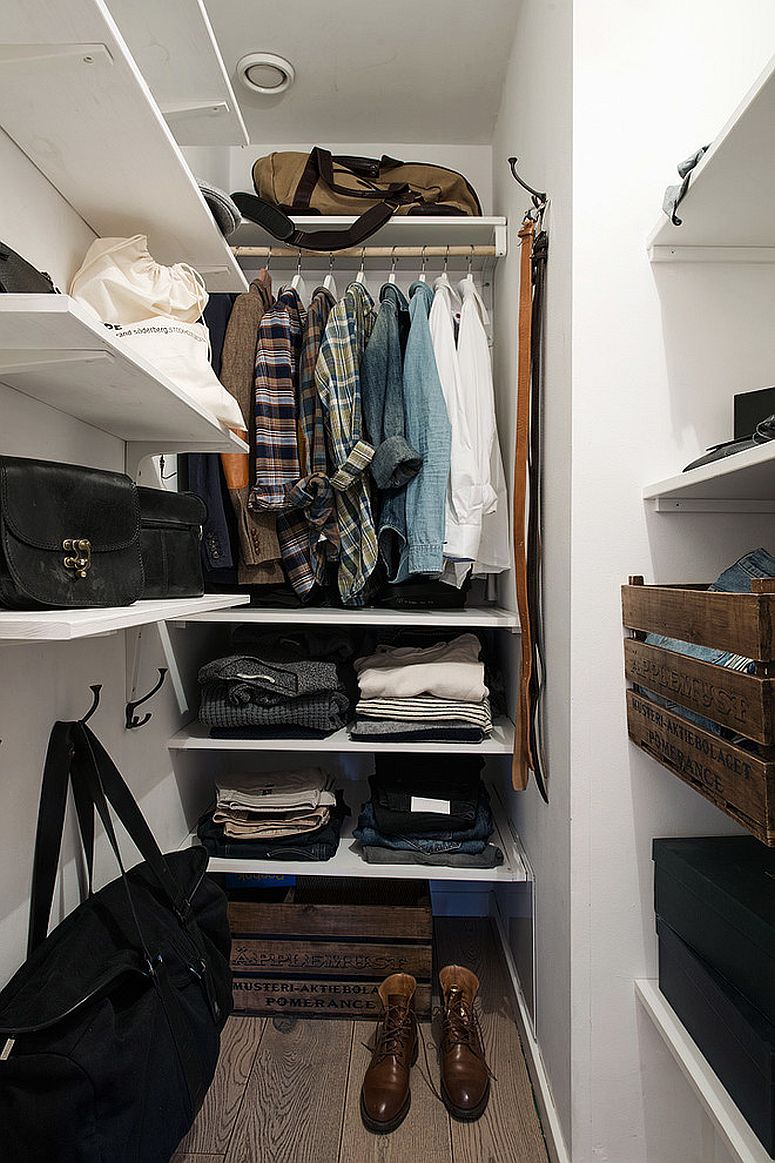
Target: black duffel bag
x,y
110,1031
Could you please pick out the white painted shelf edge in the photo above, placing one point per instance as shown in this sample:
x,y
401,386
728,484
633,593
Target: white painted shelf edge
x,y
65,625
744,482
195,737
329,616
53,349
349,862
669,243
730,1124
407,230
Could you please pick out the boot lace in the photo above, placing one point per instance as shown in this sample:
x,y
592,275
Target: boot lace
x,y
462,1027
393,1033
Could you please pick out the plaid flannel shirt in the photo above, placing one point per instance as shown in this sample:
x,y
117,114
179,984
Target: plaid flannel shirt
x,y
278,349
308,532
337,376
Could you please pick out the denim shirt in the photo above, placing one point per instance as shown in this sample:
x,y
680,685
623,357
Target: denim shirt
x,y
382,393
429,431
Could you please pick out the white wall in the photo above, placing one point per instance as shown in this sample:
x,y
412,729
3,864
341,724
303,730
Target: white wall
x,y
42,682
657,356
535,123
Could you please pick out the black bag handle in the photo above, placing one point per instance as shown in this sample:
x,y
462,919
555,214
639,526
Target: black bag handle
x,y
277,223
320,167
76,756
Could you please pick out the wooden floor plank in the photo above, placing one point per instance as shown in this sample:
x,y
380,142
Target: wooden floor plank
x,y
188,1158
213,1128
510,1128
424,1135
292,1110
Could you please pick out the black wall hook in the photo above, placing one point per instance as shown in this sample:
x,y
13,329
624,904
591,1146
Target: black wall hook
x,y
95,689
540,197
132,720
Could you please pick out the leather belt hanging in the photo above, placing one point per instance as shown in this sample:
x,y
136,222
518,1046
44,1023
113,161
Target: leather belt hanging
x,y
522,762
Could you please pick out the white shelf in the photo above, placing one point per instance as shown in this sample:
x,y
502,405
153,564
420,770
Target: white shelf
x,y
730,1124
196,737
176,50
489,616
349,862
53,349
65,625
402,230
728,213
74,100
743,483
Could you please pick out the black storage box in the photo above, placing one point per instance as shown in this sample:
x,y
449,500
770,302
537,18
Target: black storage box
x,y
170,537
736,1039
718,895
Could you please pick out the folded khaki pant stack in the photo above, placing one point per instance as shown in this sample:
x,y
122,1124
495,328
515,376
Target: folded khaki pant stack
x,y
274,804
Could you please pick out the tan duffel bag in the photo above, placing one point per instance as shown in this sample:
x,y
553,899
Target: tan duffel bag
x,y
373,188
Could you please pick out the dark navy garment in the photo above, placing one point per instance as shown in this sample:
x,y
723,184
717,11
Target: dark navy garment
x,y
204,474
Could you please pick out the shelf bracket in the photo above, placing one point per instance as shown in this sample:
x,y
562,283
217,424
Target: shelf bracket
x,y
19,360
703,505
24,54
194,109
135,660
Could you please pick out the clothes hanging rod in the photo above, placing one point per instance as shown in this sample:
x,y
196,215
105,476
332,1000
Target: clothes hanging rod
x,y
369,252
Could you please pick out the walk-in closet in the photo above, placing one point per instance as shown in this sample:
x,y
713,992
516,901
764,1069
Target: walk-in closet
x,y
388,762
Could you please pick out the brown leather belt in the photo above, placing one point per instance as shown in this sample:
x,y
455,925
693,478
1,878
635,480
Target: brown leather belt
x,y
522,762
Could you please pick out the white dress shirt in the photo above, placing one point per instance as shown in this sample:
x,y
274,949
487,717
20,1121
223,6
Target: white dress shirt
x,y
473,348
468,490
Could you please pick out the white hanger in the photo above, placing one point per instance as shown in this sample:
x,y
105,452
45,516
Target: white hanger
x,y
423,278
297,282
329,282
392,275
361,276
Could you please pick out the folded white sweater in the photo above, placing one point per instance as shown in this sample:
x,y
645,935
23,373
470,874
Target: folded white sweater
x,y
448,670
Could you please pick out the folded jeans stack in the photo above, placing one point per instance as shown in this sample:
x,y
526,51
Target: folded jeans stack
x,y
282,815
428,814
277,688
423,694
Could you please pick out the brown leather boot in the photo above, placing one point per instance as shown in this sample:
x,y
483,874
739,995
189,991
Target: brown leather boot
x,y
385,1094
465,1077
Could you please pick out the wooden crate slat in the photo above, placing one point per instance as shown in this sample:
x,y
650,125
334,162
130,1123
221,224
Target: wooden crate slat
x,y
742,702
742,623
328,920
739,783
310,998
316,958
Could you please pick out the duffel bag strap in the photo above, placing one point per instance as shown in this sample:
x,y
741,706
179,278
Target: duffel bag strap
x,y
320,167
280,226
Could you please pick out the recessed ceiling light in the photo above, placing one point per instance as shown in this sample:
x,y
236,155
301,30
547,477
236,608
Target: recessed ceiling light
x,y
265,72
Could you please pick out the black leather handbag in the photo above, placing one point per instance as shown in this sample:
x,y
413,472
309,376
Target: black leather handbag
x,y
170,543
17,276
69,536
110,1030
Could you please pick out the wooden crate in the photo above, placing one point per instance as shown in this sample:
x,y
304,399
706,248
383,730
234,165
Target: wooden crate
x,y
322,948
734,769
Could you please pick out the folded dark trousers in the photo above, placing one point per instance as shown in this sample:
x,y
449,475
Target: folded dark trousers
x,y
472,839
318,845
390,731
396,785
489,857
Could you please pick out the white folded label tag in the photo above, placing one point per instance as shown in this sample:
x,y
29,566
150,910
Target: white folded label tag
x,y
425,804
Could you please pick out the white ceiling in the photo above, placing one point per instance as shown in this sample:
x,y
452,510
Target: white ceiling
x,y
373,70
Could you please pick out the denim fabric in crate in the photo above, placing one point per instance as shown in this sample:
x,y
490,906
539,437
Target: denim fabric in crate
x,y
735,1038
734,580
718,894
